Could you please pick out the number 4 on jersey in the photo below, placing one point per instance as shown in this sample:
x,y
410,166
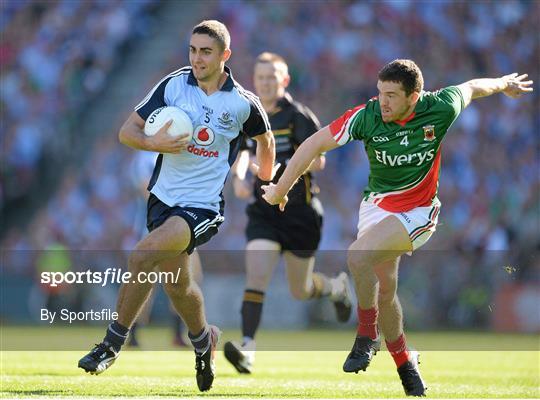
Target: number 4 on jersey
x,y
404,141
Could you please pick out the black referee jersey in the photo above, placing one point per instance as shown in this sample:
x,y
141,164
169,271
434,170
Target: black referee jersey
x,y
291,123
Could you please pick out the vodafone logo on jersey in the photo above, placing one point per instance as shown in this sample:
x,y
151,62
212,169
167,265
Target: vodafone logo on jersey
x,y
203,136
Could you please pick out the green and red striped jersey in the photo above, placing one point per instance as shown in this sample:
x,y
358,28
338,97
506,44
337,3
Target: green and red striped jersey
x,y
404,156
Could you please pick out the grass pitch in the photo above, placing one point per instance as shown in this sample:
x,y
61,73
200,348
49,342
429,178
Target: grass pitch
x,y
278,374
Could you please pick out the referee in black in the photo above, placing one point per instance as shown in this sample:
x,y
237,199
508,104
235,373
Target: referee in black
x,y
296,232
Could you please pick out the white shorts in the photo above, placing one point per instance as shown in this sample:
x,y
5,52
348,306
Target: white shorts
x,y
420,222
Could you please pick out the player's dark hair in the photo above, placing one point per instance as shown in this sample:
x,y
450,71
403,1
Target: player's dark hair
x,y
216,30
405,72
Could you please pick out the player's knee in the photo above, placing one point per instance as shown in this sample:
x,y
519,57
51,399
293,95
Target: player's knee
x,y
139,261
358,259
176,289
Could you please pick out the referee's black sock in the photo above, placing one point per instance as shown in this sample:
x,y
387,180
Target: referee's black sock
x,y
116,335
322,286
251,312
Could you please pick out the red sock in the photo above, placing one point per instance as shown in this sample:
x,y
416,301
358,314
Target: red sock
x,y
398,350
367,322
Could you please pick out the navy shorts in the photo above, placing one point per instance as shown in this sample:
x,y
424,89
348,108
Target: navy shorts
x,y
297,229
202,222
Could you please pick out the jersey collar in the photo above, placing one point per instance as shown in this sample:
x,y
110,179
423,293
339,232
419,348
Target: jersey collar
x,y
402,122
227,86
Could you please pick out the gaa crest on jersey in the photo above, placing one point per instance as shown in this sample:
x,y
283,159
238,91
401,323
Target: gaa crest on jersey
x,y
203,136
225,120
429,132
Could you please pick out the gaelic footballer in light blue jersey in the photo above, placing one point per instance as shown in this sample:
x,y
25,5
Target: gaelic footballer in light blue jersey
x,y
185,205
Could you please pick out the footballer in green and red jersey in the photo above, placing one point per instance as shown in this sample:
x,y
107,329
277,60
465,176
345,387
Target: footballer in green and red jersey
x,y
404,156
402,132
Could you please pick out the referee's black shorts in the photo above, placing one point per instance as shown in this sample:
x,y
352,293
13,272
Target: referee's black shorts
x,y
297,229
203,223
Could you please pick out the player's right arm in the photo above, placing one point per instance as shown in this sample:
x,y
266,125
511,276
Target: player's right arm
x,y
132,131
320,142
132,134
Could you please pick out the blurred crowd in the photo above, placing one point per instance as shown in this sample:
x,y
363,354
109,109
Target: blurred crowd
x,y
55,56
490,178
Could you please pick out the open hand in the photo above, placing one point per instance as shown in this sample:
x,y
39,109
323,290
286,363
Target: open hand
x,y
516,85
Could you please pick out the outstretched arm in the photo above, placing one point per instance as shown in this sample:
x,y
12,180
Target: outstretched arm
x,y
311,148
511,85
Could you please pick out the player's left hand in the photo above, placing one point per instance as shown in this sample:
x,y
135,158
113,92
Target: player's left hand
x,y
516,85
272,197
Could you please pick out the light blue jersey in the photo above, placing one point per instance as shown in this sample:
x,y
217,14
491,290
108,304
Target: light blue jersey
x,y
196,176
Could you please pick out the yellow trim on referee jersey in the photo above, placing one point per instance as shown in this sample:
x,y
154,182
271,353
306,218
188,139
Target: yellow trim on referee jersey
x,y
282,132
307,184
